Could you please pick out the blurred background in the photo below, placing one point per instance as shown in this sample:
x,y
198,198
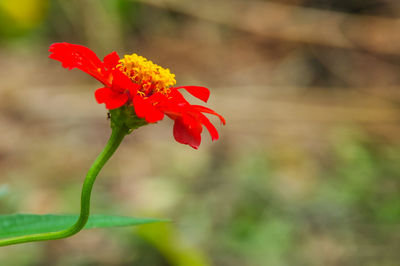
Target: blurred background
x,y
306,171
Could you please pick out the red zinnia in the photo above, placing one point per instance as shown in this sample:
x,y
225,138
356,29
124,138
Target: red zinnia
x,y
135,81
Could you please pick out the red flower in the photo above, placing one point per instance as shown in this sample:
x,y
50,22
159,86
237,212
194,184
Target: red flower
x,y
135,81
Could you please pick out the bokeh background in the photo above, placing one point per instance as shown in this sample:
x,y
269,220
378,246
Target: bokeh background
x,y
307,168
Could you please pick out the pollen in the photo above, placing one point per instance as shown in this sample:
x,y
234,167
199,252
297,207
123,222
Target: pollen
x,y
150,76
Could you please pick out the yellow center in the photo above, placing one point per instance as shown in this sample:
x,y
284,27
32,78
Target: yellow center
x,y
151,77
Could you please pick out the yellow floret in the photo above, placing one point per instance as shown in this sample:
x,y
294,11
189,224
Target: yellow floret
x,y
150,76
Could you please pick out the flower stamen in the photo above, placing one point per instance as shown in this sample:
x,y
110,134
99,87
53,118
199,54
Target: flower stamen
x,y
151,77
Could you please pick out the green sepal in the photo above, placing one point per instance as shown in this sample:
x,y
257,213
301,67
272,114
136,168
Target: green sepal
x,y
125,116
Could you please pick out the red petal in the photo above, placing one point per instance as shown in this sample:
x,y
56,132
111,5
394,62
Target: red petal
x,y
201,93
111,60
111,98
145,109
209,111
210,127
122,83
78,56
188,132
74,55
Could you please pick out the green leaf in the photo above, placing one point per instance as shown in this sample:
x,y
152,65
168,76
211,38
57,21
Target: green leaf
x,y
24,224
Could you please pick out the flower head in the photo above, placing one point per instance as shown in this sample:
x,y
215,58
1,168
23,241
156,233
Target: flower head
x,y
140,92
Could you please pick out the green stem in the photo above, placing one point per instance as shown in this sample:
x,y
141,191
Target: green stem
x,y
117,135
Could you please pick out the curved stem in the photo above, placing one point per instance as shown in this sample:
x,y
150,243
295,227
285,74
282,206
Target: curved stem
x,y
117,135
